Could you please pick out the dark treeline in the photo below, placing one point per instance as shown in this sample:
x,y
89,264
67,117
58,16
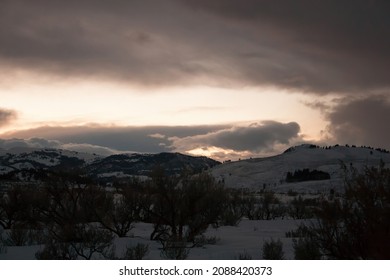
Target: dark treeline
x,y
311,146
303,175
74,217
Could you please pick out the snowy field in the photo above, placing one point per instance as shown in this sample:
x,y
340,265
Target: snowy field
x,y
247,239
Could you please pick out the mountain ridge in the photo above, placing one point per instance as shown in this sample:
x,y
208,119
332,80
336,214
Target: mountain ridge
x,y
126,165
299,168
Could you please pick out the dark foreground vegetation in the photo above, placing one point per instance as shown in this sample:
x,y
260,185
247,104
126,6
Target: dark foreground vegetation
x,y
78,219
353,226
75,218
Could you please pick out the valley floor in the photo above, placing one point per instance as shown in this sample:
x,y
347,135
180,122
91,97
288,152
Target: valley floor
x,y
245,239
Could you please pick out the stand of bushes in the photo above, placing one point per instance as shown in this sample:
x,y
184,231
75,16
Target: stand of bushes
x,y
355,226
76,220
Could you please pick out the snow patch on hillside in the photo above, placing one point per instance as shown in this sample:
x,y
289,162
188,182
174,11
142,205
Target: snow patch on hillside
x,y
270,173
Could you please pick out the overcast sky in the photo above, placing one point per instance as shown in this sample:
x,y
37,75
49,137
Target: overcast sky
x,y
222,78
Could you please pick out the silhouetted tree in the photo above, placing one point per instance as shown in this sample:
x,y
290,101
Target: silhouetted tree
x,y
183,207
15,206
357,226
300,208
269,205
118,212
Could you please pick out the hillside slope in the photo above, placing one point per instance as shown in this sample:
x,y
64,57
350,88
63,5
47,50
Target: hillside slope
x,y
270,173
34,164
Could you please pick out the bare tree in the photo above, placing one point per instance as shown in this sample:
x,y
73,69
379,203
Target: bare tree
x,y
357,226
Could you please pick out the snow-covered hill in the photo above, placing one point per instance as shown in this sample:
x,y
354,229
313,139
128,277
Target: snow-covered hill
x,y
123,165
17,164
270,173
257,174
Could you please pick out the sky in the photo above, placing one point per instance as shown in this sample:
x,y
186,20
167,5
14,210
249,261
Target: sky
x,y
226,79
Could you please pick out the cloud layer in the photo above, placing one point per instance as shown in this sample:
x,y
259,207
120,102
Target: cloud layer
x,y
254,138
315,46
319,46
362,121
226,140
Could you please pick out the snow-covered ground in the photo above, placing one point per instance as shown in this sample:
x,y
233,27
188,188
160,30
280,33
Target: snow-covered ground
x,y
246,238
270,173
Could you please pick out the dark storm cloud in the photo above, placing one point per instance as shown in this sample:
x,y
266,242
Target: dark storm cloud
x,y
150,139
255,137
315,46
362,121
6,116
320,46
120,39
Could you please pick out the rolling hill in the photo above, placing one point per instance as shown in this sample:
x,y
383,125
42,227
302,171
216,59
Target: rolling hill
x,y
271,173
